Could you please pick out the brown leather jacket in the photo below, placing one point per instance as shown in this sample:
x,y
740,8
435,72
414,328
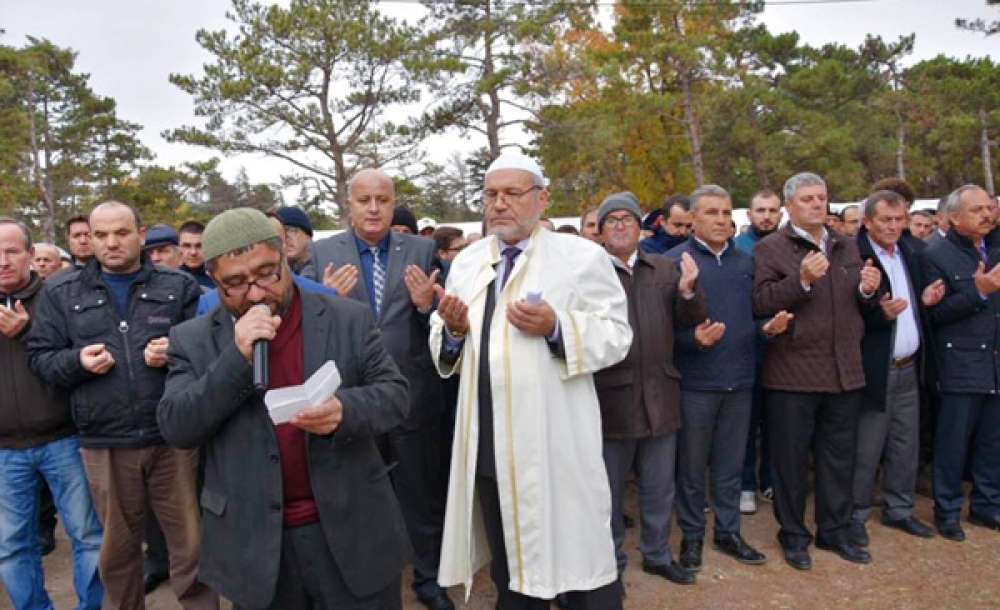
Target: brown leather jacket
x,y
822,350
640,396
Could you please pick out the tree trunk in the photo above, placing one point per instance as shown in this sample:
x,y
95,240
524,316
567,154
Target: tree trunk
x,y
900,150
493,113
984,141
693,130
49,217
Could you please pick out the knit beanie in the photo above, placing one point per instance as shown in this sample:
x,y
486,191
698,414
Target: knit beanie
x,y
618,201
235,229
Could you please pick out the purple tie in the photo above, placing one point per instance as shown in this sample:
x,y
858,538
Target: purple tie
x,y
984,253
511,255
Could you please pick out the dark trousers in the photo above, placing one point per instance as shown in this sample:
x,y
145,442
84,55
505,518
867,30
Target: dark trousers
x,y
968,432
889,438
156,561
607,597
713,426
420,487
826,424
757,472
309,579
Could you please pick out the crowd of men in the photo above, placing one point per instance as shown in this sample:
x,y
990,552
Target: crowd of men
x,y
498,392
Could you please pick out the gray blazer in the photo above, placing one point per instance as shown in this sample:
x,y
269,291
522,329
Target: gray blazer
x,y
404,329
209,402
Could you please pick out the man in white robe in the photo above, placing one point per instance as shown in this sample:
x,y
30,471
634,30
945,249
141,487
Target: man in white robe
x,y
527,317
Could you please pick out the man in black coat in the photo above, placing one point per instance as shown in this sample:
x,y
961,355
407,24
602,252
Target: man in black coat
x,y
966,326
893,350
298,514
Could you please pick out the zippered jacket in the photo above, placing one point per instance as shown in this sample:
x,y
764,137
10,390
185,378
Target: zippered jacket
x,y
75,309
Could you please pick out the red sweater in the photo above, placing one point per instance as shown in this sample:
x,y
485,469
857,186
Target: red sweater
x,y
286,364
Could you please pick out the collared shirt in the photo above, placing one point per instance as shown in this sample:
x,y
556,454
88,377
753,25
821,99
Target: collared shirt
x,y
627,267
806,235
718,255
367,261
906,334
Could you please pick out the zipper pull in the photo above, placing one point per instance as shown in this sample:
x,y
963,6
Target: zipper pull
x,y
123,327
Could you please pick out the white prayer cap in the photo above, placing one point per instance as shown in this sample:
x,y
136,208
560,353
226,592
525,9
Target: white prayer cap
x,y
518,160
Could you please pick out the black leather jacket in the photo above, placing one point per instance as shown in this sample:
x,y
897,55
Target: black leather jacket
x,y
75,309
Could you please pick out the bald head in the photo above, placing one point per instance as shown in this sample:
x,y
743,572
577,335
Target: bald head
x,y
371,201
46,259
113,207
118,236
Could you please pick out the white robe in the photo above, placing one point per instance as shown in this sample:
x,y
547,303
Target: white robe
x,y
554,496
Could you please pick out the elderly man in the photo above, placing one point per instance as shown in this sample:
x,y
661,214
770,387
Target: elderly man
x,y
529,316
298,240
162,246
588,226
78,237
640,404
893,354
311,507
392,273
717,384
850,220
814,375
100,333
674,227
46,260
37,442
189,237
966,326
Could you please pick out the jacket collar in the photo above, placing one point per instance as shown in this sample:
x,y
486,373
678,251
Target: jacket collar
x,y
697,244
834,239
91,274
962,241
30,289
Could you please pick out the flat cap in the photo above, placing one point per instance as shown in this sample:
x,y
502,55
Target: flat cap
x,y
160,235
235,229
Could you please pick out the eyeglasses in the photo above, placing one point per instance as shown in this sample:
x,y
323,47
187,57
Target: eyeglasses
x,y
490,196
621,221
241,286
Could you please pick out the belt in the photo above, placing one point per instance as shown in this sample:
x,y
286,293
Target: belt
x,y
900,363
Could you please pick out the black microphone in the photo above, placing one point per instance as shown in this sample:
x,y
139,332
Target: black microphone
x,y
260,372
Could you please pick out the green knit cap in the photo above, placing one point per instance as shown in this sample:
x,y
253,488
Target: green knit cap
x,y
235,229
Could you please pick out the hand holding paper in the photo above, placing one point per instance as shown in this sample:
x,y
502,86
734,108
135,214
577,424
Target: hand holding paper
x,y
310,406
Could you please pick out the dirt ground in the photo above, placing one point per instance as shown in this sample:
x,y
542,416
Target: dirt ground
x,y
907,573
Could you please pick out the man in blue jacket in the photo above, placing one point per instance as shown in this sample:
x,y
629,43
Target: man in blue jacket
x,y
674,228
717,383
966,327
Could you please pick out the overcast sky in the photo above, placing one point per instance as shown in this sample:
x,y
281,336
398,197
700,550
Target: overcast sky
x,y
129,47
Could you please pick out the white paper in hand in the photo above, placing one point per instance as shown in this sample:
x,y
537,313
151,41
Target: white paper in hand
x,y
283,403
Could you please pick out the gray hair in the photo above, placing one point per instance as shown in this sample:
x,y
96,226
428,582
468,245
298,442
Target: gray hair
x,y
707,190
954,202
892,198
25,231
273,243
802,179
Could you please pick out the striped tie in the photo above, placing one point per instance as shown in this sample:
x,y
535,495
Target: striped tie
x,y
378,279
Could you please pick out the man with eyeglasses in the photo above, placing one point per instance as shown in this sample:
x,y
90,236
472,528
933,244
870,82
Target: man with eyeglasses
x,y
529,316
298,514
640,396
101,334
392,273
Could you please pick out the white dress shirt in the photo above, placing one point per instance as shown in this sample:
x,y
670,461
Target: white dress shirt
x,y
906,334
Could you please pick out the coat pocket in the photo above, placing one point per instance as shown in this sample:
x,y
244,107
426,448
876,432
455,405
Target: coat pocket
x,y
213,502
966,363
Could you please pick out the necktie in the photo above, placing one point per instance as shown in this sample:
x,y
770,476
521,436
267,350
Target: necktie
x,y
984,253
378,279
510,254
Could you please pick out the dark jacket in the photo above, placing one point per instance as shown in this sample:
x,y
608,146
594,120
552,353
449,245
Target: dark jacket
x,y
728,286
880,333
660,242
200,275
210,403
822,350
32,412
966,327
640,396
117,409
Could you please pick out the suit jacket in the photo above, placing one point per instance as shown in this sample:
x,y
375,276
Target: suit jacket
x,y
404,329
210,403
880,333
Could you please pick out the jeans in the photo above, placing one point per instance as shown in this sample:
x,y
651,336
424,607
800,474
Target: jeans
x,y
60,465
